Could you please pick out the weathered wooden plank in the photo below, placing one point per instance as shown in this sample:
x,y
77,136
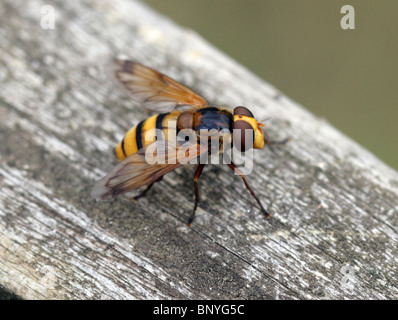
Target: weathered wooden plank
x,y
334,229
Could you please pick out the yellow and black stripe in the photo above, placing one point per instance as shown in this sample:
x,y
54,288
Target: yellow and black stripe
x,y
144,134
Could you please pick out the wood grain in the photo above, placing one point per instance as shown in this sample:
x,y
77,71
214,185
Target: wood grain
x,y
333,234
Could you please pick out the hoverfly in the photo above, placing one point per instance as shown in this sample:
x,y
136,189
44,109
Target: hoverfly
x,y
178,108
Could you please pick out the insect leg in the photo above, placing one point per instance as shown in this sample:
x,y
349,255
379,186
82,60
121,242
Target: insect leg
x,y
143,193
271,143
198,172
235,169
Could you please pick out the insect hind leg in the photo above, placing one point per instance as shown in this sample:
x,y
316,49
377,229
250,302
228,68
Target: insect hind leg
x,y
198,172
143,193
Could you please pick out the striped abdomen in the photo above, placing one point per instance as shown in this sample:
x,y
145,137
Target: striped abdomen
x,y
144,133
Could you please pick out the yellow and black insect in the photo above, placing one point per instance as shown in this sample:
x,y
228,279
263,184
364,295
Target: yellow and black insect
x,y
179,108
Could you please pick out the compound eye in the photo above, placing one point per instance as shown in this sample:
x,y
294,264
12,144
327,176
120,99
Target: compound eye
x,y
242,111
243,135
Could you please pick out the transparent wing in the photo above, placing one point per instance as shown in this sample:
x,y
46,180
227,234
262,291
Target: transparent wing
x,y
154,90
145,166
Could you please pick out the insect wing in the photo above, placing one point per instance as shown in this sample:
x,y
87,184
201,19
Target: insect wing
x,y
144,167
156,91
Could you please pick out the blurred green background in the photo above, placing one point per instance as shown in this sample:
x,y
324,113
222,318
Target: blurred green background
x,y
349,77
